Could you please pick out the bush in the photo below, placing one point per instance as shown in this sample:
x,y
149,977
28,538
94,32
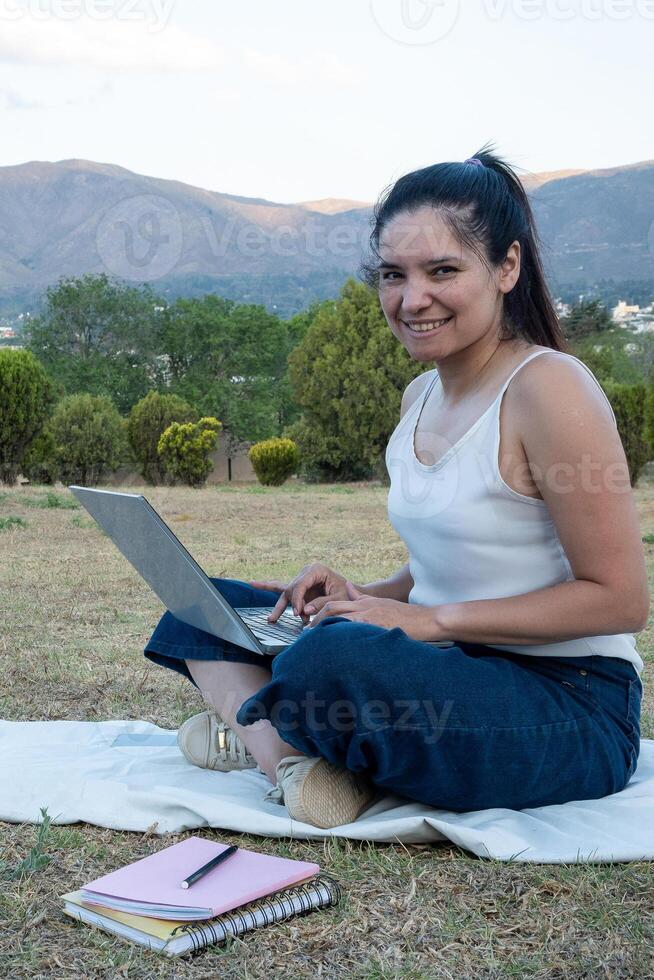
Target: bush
x,y
26,395
148,420
184,450
628,402
274,460
89,438
649,416
38,464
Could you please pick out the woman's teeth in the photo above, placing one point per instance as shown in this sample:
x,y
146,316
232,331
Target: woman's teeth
x,y
426,327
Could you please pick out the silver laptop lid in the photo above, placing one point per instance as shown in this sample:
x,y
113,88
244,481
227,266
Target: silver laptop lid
x,y
162,560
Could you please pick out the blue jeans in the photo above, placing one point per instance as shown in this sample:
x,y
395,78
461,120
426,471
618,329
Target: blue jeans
x,y
460,728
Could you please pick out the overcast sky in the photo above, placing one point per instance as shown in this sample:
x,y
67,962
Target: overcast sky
x,y
294,100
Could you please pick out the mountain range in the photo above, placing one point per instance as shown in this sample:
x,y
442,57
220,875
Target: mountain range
x,y
74,216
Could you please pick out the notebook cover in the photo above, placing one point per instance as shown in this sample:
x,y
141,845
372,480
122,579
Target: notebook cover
x,y
156,879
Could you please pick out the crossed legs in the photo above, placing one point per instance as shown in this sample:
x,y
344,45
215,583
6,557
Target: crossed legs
x,y
225,686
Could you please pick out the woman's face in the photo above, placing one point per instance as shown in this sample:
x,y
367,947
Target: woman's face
x,y
437,295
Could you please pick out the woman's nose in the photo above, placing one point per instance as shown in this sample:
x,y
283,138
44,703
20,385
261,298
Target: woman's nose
x,y
416,296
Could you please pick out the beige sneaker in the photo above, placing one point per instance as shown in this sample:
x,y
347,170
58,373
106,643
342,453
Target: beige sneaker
x,y
316,792
207,742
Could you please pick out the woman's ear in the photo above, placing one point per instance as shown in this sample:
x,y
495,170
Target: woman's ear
x,y
510,268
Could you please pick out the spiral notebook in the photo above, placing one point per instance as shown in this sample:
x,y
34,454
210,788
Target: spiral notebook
x,y
152,886
176,938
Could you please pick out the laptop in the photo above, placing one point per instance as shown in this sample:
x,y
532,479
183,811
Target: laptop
x,y
172,573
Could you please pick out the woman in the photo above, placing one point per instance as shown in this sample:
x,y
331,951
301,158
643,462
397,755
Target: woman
x,y
510,488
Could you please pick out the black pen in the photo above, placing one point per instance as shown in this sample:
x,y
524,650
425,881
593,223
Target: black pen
x,y
209,866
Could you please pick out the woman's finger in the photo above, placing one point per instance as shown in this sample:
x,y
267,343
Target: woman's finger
x,y
278,608
337,608
316,604
302,587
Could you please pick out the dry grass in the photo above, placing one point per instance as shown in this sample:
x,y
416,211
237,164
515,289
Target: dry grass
x,y
76,617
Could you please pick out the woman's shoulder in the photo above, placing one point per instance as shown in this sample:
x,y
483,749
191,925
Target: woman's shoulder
x,y
559,382
415,389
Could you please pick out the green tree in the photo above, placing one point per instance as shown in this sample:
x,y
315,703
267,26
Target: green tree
x,y
609,356
586,317
148,420
348,375
297,328
185,450
98,336
649,416
629,406
228,361
26,395
89,438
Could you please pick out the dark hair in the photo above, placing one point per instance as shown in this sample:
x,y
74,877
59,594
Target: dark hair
x,y
486,207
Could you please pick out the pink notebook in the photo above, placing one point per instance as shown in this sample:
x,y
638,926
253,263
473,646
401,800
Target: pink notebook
x,y
152,886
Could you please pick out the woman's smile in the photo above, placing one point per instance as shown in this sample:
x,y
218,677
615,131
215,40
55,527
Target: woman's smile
x,y
426,328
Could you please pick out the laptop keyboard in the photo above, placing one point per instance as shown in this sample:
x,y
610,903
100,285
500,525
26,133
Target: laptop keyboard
x,y
287,627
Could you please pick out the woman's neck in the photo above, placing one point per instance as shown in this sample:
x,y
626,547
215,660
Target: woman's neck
x,y
464,373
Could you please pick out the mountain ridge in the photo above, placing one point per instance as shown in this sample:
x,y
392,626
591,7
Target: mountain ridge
x,y
70,217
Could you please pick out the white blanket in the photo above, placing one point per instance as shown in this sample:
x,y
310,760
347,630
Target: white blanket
x,y
130,775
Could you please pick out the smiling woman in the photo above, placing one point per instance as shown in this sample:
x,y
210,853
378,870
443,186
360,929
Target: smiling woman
x,y
498,667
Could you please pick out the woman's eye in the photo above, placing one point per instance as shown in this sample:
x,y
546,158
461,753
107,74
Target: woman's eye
x,y
441,268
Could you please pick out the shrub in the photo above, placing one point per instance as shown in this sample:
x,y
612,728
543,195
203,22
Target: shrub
x,y
184,450
274,460
649,416
628,402
89,437
38,464
51,501
26,395
148,420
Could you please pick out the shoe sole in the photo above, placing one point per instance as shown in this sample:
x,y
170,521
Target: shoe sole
x,y
326,797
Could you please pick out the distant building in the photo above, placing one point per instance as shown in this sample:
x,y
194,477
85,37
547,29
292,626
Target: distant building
x,y
562,309
623,311
634,318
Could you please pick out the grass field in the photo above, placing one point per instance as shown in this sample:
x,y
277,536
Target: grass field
x,y
75,618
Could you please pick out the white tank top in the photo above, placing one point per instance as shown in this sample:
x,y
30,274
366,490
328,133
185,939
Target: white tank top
x,y
470,536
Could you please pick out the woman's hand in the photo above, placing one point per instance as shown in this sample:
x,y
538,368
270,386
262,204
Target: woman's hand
x,y
418,622
315,584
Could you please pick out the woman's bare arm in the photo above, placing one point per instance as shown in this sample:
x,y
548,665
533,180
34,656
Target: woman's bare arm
x,y
578,463
397,586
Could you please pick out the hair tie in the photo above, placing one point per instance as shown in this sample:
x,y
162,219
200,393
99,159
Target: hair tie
x,y
474,160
